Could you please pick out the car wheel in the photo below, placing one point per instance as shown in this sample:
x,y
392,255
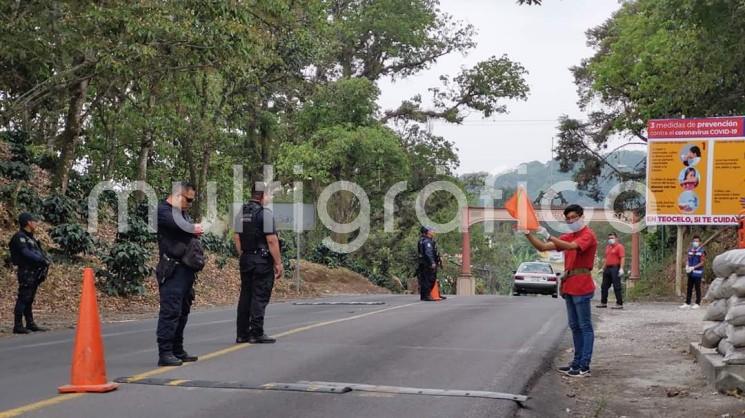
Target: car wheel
x,y
554,296
515,292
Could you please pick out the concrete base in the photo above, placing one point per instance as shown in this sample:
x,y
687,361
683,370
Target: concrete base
x,y
723,377
466,286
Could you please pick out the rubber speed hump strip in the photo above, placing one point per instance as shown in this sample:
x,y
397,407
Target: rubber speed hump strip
x,y
209,384
325,387
340,303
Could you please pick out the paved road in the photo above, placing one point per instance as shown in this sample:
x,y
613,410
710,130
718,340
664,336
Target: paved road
x,y
486,343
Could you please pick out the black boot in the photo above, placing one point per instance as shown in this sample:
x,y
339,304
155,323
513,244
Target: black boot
x,y
31,326
168,359
261,339
18,327
184,356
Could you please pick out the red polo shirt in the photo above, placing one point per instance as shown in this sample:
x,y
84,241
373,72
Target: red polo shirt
x,y
613,254
584,257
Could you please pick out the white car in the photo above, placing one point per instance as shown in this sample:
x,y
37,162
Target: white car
x,y
535,277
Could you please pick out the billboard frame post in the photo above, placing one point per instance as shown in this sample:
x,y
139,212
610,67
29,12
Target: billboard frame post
x,y
678,261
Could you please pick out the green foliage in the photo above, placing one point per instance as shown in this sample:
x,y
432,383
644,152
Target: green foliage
x,y
58,209
347,101
126,269
72,239
185,90
26,199
139,232
15,170
653,59
218,245
323,255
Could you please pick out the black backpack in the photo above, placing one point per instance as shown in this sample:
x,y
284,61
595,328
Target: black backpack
x,y
194,255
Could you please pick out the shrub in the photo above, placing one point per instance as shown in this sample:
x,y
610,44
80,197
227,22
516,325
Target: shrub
x,y
323,255
25,201
72,239
218,245
139,232
15,170
58,209
126,269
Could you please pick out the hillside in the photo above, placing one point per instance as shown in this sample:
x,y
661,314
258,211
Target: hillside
x,y
540,176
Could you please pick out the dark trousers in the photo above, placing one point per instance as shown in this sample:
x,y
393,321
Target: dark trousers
x,y
176,297
257,282
611,276
426,277
693,282
27,287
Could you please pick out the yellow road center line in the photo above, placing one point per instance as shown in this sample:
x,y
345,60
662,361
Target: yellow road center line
x,y
38,405
160,370
176,382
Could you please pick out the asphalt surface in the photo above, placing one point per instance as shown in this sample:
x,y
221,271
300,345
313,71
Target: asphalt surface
x,y
485,343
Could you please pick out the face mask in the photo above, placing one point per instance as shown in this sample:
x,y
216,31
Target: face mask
x,y
695,244
576,225
611,241
693,161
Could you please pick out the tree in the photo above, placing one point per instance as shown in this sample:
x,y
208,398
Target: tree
x,y
653,59
396,38
479,88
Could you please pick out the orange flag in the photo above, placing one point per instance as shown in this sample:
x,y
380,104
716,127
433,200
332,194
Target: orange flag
x,y
520,208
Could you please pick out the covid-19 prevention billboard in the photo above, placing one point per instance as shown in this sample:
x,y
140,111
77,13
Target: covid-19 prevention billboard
x,y
695,171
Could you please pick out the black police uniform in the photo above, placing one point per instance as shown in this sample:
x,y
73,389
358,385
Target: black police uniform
x,y
177,290
257,269
428,256
32,262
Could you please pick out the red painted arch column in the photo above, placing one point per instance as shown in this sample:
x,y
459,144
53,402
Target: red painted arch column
x,y
466,285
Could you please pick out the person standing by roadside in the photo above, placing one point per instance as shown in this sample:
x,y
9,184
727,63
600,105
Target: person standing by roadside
x,y
695,271
428,260
612,272
175,277
577,287
260,265
33,263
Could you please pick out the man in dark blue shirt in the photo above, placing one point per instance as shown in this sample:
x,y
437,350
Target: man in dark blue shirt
x,y
429,259
32,262
175,230
260,262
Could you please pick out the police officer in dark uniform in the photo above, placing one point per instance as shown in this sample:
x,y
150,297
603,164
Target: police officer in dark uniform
x,y
260,263
33,263
175,280
429,260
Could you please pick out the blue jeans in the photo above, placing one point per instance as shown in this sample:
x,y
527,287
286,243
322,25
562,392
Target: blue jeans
x,y
580,322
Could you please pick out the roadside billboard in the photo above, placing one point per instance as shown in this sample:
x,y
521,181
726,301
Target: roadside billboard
x,y
695,171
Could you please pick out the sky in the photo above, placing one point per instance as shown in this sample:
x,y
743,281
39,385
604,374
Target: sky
x,y
547,40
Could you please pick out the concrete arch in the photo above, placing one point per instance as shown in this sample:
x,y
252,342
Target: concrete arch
x,y
472,215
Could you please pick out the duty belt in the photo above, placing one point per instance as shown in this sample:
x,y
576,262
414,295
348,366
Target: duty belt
x,y
577,272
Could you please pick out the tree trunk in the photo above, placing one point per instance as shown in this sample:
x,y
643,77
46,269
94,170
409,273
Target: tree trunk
x,y
67,141
193,176
146,148
203,172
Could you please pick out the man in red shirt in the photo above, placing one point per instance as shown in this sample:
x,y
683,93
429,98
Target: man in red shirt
x,y
612,272
577,287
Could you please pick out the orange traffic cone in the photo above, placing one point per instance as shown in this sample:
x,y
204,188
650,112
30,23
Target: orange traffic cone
x,y
88,364
435,293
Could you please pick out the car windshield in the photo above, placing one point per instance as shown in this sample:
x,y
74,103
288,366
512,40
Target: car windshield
x,y
535,268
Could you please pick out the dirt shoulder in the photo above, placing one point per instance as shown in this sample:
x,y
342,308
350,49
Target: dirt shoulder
x,y
640,368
